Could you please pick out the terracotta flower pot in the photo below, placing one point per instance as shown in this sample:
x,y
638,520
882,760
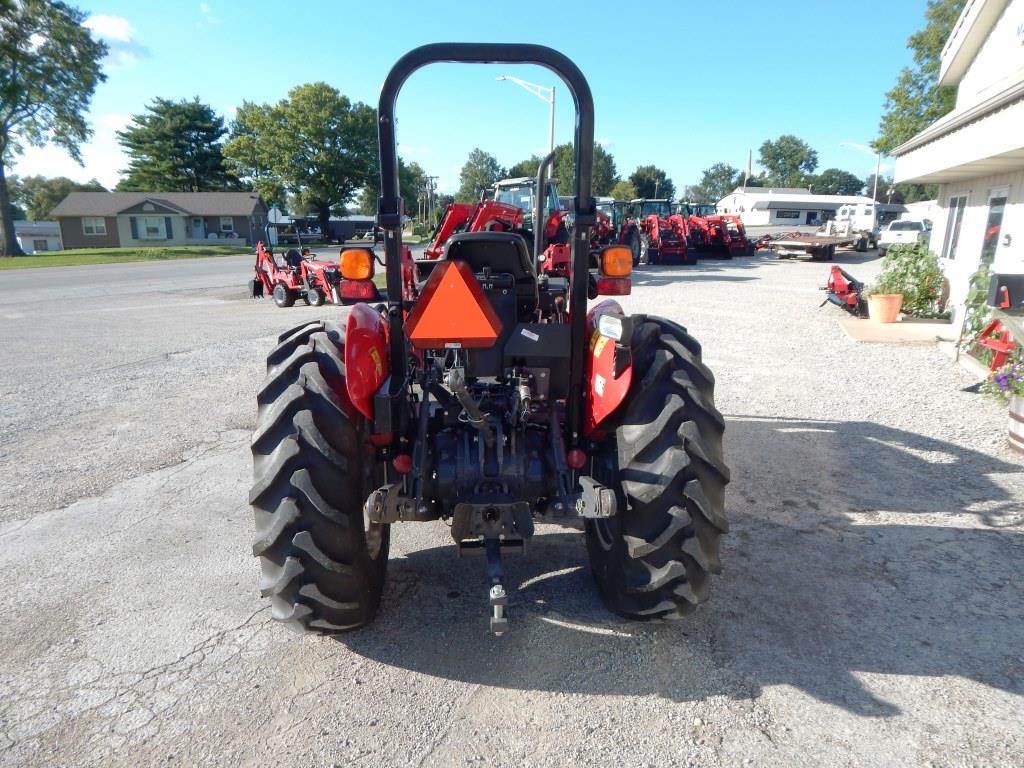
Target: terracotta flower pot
x,y
1016,423
885,307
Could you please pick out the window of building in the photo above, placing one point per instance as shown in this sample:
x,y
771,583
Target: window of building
x,y
152,228
40,245
787,214
227,224
94,225
990,242
954,219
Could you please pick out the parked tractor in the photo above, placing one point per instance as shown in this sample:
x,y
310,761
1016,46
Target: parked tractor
x,y
622,227
490,397
723,234
663,234
314,281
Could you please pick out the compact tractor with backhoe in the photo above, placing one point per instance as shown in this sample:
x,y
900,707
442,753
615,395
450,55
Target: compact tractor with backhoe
x,y
485,393
664,235
312,280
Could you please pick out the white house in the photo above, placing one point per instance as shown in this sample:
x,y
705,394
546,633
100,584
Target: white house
x,y
761,206
976,152
38,236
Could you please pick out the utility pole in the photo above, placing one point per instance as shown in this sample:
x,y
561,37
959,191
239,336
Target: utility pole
x,y
431,185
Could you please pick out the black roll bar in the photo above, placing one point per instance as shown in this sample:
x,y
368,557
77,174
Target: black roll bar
x,y
389,205
538,209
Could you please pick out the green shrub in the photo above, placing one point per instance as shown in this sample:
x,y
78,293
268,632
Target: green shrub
x,y
914,271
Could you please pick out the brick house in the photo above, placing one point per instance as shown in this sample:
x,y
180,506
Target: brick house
x,y
150,219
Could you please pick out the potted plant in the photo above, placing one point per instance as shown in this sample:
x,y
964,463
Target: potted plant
x,y
910,280
885,297
1007,383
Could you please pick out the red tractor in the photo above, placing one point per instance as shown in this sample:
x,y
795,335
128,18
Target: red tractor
x,y
511,206
491,397
313,280
622,227
723,234
664,235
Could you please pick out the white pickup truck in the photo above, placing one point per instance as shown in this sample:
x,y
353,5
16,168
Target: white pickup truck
x,y
902,232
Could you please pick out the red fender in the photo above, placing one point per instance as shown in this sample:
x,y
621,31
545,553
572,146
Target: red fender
x,y
366,356
603,392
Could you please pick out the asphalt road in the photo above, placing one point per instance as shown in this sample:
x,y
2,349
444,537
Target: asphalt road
x,y
870,613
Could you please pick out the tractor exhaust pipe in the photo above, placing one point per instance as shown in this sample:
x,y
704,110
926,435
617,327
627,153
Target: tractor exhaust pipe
x,y
538,208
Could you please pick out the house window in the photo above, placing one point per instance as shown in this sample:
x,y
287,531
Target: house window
x,y
40,245
227,224
787,214
152,228
94,225
954,219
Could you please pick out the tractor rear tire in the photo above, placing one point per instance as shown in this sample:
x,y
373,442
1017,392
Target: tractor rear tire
x,y
654,558
633,241
283,296
322,566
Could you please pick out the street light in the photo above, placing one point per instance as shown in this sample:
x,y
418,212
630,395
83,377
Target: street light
x,y
870,151
544,94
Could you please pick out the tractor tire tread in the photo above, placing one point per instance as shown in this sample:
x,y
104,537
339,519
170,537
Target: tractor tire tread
x,y
671,475
308,486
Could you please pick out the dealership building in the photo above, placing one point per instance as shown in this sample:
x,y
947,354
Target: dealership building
x,y
976,152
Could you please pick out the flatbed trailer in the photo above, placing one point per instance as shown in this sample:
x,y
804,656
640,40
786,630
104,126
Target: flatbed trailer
x,y
814,246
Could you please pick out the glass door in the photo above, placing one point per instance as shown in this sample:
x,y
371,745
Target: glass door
x,y
996,206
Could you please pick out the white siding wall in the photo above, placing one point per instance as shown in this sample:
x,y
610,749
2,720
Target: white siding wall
x,y
27,243
999,63
1008,258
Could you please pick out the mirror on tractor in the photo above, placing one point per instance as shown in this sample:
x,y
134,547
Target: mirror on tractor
x,y
356,264
615,264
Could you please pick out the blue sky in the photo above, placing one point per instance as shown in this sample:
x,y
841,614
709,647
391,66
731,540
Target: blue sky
x,y
681,89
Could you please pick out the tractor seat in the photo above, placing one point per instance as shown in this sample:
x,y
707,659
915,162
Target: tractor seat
x,y
501,253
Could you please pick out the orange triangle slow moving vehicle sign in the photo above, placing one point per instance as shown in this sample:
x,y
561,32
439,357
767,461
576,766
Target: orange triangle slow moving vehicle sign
x,y
452,312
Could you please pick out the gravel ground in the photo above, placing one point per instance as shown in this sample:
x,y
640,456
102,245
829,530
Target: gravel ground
x,y
870,613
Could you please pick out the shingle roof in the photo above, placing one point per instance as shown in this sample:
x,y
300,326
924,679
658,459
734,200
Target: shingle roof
x,y
197,203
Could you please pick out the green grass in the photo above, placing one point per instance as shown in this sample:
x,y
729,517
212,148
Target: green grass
x,y
85,256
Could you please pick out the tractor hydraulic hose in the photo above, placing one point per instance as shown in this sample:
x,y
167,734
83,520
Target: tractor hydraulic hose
x,y
456,383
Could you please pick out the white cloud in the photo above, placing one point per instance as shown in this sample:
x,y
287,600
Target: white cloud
x,y
110,28
605,143
117,32
102,157
207,13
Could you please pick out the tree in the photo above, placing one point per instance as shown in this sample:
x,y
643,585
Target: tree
x,y
49,70
651,181
788,161
715,183
174,147
901,193
604,175
247,153
320,146
411,184
480,172
40,195
623,190
834,181
917,100
527,167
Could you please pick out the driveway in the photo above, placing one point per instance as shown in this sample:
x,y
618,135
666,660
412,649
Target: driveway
x,y
870,613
